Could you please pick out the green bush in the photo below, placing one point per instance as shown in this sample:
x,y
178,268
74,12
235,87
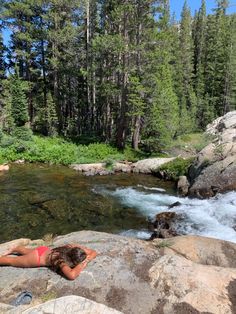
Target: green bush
x,y
132,155
55,150
97,152
1,135
23,133
176,168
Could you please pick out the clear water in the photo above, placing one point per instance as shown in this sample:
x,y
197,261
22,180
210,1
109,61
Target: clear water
x,y
37,199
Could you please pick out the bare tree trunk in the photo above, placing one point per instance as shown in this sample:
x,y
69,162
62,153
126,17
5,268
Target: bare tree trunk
x,y
88,114
135,137
122,123
137,123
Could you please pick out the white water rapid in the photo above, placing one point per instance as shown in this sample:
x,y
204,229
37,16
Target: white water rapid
x,y
215,217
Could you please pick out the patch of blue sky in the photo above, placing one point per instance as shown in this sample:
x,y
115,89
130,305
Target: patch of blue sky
x,y
177,6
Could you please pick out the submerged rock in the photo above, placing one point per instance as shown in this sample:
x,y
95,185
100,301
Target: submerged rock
x,y
4,167
178,275
163,225
174,205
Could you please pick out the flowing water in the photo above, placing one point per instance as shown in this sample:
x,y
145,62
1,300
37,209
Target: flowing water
x,y
37,199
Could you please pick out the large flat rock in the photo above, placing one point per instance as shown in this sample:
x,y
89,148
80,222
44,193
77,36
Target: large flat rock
x,y
118,277
66,305
180,275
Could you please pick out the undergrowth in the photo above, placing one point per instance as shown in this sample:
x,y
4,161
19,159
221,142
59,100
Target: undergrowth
x,y
59,151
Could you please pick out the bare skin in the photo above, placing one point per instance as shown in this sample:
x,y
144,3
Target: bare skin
x,y
29,258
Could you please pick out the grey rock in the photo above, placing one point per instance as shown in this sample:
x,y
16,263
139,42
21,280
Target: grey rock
x,y
215,169
117,278
150,165
68,305
178,275
183,185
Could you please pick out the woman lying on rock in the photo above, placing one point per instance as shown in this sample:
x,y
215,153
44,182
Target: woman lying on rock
x,y
69,260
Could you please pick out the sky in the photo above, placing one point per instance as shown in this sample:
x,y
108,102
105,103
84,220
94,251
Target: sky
x,y
176,6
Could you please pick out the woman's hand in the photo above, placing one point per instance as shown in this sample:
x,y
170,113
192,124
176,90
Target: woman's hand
x,y
91,255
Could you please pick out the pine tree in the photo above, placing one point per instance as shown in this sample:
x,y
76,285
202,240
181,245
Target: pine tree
x,y
19,108
230,83
218,41
163,112
185,71
199,37
2,67
136,101
51,117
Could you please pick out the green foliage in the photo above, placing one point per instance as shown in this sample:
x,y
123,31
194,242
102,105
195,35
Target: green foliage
x,y
49,296
163,244
1,135
192,143
133,155
55,151
51,116
177,167
97,152
18,101
23,133
131,75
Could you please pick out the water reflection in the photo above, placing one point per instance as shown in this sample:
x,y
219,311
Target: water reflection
x,y
38,199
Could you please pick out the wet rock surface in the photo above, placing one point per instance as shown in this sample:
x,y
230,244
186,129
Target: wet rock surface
x,y
186,274
162,226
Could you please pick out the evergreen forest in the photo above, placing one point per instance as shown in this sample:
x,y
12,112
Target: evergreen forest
x,y
121,72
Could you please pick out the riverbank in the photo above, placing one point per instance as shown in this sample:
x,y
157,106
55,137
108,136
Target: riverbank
x,y
59,151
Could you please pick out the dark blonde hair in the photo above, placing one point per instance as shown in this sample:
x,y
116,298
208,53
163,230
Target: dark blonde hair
x,y
71,256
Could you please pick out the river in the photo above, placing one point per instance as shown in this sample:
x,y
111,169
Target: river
x,y
38,199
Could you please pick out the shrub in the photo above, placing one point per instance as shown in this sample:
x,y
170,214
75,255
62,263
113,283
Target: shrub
x,y
7,141
1,135
176,168
97,152
23,133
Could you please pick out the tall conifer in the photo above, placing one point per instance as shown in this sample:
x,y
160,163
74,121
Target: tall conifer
x,y
185,71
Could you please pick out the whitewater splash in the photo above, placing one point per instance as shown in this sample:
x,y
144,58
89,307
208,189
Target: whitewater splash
x,y
215,217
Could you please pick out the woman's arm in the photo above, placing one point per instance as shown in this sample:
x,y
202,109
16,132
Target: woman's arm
x,y
89,252
72,273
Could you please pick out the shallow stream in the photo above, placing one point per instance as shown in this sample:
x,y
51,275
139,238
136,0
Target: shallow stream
x,y
37,199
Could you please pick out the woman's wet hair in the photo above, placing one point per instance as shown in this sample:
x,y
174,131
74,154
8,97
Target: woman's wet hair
x,y
71,256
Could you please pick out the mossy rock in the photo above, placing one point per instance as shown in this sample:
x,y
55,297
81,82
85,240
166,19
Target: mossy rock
x,y
174,169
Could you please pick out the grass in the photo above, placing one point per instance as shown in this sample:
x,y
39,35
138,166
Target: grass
x,y
60,151
48,239
164,243
49,296
193,142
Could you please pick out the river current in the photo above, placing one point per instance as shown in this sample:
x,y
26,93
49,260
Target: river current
x,y
36,200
